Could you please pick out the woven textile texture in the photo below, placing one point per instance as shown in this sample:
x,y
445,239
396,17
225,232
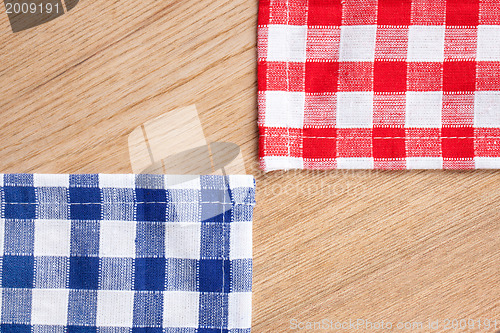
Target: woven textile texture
x,y
389,84
126,253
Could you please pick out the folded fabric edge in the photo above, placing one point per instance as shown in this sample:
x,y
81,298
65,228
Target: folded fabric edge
x,y
286,163
145,181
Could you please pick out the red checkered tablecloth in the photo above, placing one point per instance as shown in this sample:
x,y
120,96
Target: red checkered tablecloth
x,y
388,84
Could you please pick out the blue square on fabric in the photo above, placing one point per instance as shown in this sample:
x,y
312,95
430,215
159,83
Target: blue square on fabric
x,y
185,205
118,204
213,311
151,195
17,271
215,195
17,211
180,330
148,309
181,274
150,239
150,181
242,213
48,329
19,200
147,330
19,237
91,180
51,272
82,308
84,238
149,274
155,212
215,240
52,203
214,275
12,301
85,203
20,179
184,212
52,195
15,328
151,204
241,275
83,273
214,212
81,329
19,194
212,330
116,274
214,182
85,212
243,195
113,329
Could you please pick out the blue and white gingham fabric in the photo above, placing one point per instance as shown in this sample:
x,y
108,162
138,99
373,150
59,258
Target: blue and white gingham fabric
x,y
125,253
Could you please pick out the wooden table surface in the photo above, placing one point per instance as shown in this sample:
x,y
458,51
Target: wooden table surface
x,y
402,247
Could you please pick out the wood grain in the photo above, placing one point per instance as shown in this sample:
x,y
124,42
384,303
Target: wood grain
x,y
338,245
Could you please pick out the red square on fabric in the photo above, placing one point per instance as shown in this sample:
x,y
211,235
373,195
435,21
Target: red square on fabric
x,y
320,109
261,102
425,76
459,76
262,43
281,141
458,142
489,13
325,13
454,164
488,77
355,76
389,142
389,164
321,76
389,109
423,142
323,44
262,75
278,12
394,12
458,110
462,12
354,142
391,43
487,142
320,143
389,76
283,76
460,43
292,12
264,6
428,12
357,12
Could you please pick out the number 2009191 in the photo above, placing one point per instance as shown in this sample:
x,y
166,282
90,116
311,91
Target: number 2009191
x,y
32,8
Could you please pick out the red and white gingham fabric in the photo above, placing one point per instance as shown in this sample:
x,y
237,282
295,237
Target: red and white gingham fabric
x,y
388,84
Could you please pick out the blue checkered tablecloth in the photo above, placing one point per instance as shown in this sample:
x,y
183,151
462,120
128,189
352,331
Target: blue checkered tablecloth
x,y
125,253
